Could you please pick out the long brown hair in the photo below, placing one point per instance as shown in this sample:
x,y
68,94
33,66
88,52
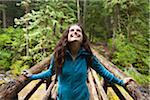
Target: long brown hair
x,y
62,46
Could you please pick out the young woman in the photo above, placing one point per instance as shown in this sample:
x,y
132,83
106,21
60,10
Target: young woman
x,y
70,61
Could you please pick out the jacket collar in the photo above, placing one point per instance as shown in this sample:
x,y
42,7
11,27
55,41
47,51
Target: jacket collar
x,y
81,51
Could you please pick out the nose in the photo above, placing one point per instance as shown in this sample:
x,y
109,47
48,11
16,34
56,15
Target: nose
x,y
75,33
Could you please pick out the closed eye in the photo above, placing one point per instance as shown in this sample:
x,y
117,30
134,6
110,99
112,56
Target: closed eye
x,y
72,30
78,30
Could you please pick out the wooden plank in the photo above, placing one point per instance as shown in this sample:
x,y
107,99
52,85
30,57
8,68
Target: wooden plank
x,y
118,93
33,90
90,91
112,95
54,89
100,88
54,96
93,89
54,92
124,93
98,94
47,96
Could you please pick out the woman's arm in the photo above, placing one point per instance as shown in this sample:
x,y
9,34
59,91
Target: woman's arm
x,y
101,70
45,74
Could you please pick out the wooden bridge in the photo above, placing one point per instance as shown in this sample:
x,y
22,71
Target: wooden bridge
x,y
98,88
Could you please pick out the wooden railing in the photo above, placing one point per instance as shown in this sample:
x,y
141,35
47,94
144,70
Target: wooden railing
x,y
98,88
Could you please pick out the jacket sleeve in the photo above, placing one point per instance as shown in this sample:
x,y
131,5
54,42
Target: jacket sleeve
x,y
45,74
101,70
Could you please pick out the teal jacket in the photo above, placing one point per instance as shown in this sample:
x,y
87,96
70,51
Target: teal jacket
x,y
72,82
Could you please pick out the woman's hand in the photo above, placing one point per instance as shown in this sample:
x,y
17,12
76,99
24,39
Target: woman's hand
x,y
26,73
127,80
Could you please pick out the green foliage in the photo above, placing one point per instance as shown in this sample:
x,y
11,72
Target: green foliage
x,y
44,26
125,53
9,46
4,59
41,27
124,25
141,44
95,18
138,77
128,25
18,67
129,53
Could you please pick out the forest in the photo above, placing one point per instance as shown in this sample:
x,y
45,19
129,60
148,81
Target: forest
x,y
30,29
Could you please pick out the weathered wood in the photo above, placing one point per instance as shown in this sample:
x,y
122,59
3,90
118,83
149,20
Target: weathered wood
x,y
100,88
33,90
112,95
54,96
11,89
118,93
54,89
54,92
93,89
132,86
90,91
124,93
47,96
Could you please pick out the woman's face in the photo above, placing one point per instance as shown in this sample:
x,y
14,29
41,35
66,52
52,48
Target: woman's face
x,y
75,34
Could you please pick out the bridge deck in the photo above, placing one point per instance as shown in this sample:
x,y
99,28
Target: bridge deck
x,y
99,90
94,83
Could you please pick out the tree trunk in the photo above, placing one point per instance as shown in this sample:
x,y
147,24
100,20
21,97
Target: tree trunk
x,y
78,11
4,18
84,14
115,25
27,33
4,14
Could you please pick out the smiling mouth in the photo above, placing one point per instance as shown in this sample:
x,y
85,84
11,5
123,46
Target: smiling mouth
x,y
79,36
76,35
